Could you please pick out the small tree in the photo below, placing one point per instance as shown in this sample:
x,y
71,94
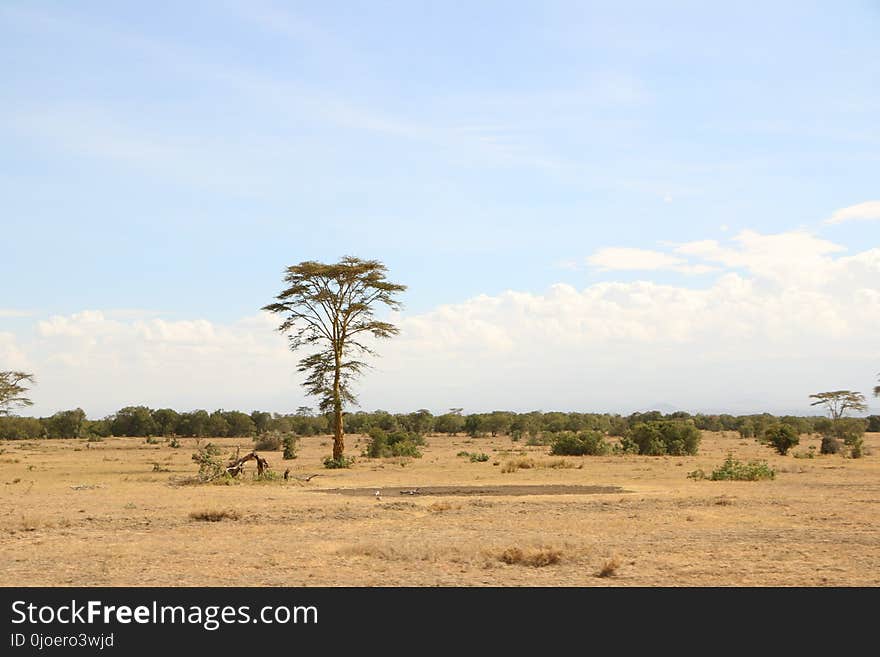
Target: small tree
x,y
13,386
838,403
660,437
877,388
329,307
569,443
781,437
289,442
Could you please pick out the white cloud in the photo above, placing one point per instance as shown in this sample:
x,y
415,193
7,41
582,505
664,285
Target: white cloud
x,y
867,211
11,355
783,258
630,259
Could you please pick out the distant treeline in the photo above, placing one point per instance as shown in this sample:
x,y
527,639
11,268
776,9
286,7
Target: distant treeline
x,y
144,421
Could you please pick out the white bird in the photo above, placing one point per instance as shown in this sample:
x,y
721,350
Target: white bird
x,y
378,495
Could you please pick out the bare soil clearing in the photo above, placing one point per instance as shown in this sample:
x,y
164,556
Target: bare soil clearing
x,y
107,515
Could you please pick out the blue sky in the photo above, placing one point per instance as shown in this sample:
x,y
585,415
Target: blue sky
x,y
169,159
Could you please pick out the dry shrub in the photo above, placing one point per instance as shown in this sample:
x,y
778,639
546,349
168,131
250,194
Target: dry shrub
x,y
518,464
439,507
609,568
530,463
399,506
535,557
30,523
559,464
215,515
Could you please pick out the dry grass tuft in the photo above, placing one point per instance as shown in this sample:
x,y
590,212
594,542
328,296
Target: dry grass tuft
x,y
440,507
535,557
399,506
30,523
215,515
609,568
518,464
527,463
559,464
406,552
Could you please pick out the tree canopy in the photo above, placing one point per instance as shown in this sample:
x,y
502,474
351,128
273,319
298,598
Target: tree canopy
x,y
838,402
13,386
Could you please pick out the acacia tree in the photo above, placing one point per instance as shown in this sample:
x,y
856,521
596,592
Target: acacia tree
x,y
329,308
13,386
877,389
838,402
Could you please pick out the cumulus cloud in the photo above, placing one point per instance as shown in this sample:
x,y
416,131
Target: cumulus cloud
x,y
623,259
783,258
867,211
11,355
790,315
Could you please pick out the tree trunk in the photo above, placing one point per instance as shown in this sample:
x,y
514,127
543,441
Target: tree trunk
x,y
338,442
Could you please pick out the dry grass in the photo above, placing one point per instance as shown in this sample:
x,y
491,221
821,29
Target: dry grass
x,y
214,515
81,520
609,568
440,507
30,522
518,464
527,463
535,557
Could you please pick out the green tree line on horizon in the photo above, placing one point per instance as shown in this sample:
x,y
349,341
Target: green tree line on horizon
x,y
142,421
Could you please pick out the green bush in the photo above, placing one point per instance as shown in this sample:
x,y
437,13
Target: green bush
x,y
830,445
781,437
856,446
734,470
406,448
212,450
384,444
174,443
659,437
626,445
269,442
342,462
289,442
20,428
210,466
569,443
851,431
479,458
809,454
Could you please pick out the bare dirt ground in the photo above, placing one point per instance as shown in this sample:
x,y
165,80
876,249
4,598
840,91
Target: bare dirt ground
x,y
103,516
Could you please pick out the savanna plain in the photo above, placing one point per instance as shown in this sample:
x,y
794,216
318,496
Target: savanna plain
x,y
114,513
